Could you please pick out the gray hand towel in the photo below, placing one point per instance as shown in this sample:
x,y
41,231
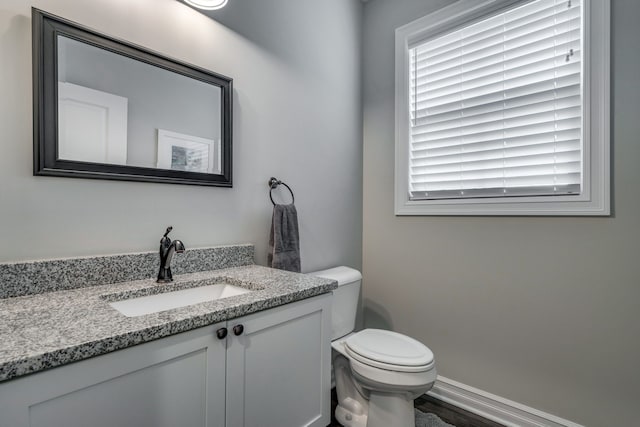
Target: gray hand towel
x,y
284,241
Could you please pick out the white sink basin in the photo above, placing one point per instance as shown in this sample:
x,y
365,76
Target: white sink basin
x,y
166,301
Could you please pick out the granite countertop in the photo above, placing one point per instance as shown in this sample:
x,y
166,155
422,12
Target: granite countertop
x,y
50,329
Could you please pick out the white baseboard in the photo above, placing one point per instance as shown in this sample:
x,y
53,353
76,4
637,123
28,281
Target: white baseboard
x,y
492,407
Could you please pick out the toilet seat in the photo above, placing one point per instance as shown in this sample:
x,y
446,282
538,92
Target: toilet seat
x,y
389,350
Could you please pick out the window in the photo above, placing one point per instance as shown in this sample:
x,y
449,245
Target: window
x,y
502,109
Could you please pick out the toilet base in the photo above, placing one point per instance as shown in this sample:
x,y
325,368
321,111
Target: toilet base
x,y
390,409
349,418
384,410
352,405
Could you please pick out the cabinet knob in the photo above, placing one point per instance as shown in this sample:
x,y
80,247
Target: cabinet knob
x,y
221,333
238,330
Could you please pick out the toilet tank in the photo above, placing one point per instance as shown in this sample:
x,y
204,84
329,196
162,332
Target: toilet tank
x,y
345,299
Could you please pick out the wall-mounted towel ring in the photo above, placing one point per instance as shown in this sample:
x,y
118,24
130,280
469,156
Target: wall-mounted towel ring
x,y
273,183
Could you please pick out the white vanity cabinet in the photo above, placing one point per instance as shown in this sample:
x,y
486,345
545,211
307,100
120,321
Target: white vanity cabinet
x,y
174,381
279,367
271,369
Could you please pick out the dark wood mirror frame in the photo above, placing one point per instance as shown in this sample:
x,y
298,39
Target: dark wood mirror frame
x,y
46,29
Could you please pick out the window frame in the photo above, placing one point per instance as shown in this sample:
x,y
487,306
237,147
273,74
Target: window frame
x,y
595,197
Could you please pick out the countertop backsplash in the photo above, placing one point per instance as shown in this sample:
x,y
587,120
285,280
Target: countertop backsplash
x,y
35,277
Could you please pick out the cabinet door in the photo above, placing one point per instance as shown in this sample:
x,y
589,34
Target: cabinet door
x,y
278,367
175,381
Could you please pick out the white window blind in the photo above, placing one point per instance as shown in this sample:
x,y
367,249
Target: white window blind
x,y
496,106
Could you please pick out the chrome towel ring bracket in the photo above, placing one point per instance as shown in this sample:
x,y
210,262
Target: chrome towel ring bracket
x,y
274,183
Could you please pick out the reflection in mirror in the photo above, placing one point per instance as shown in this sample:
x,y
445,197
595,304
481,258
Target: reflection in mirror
x,y
114,109
109,109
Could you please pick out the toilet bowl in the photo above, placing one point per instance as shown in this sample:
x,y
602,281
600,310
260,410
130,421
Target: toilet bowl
x,y
378,373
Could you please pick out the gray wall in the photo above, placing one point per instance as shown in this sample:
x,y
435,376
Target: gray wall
x,y
542,311
296,71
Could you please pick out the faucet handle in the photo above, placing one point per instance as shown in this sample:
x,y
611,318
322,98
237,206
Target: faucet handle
x,y
169,228
179,246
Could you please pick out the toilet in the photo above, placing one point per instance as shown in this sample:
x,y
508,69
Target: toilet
x,y
378,373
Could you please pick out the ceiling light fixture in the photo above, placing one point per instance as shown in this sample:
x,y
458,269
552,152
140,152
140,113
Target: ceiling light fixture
x,y
207,4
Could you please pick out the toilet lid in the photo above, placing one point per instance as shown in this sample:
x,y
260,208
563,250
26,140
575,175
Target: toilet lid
x,y
388,348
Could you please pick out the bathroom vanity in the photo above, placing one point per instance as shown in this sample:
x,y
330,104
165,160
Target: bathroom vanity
x,y
258,358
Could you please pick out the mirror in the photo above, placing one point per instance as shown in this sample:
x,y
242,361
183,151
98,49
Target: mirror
x,y
105,108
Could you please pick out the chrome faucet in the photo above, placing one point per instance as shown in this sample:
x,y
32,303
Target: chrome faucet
x,y
167,249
